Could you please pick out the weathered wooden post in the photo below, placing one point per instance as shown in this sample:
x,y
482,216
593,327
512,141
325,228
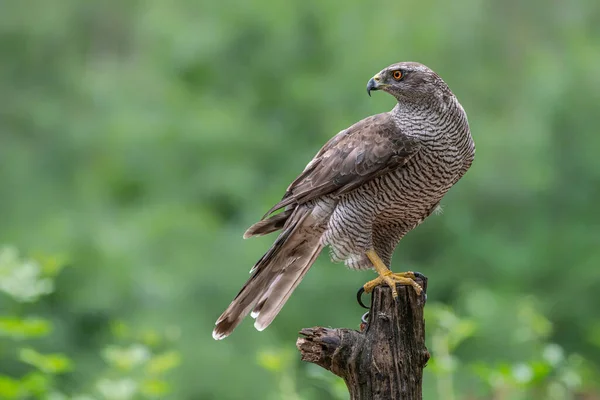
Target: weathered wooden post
x,y
383,361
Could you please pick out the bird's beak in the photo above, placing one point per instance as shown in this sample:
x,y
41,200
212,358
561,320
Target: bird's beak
x,y
373,84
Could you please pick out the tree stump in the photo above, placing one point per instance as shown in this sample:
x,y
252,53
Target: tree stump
x,y
383,361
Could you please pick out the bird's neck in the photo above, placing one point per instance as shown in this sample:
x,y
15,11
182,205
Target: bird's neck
x,y
406,109
413,116
407,114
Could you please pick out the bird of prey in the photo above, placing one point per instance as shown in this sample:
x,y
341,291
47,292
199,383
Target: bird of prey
x,y
365,189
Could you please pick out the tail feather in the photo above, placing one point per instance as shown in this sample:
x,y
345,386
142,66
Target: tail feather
x,y
271,224
275,275
272,302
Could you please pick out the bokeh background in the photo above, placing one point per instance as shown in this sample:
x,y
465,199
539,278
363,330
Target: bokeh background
x,y
138,140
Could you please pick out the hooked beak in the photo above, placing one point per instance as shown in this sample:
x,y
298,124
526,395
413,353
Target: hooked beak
x,y
373,84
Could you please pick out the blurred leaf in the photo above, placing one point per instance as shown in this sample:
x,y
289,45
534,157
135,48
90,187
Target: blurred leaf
x,y
154,388
120,330
51,265
461,331
541,371
163,363
126,358
533,324
37,383
553,354
22,279
117,389
58,396
49,363
332,383
522,373
9,388
17,328
593,333
150,338
270,360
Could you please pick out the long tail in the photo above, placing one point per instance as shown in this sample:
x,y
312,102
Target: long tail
x,y
277,273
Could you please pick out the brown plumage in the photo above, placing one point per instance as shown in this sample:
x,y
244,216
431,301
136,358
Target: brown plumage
x,y
365,189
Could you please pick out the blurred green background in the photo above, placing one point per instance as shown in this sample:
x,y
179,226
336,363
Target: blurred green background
x,y
139,139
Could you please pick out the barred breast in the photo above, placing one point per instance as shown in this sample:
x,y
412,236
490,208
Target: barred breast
x,y
378,214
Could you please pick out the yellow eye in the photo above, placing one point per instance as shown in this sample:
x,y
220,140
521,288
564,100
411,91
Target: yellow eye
x,y
397,75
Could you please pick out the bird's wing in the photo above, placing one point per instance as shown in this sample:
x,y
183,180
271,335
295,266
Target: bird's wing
x,y
368,149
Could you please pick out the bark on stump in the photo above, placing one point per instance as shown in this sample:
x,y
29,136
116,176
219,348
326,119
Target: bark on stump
x,y
384,360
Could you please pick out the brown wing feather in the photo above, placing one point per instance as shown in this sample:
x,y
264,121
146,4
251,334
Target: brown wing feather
x,y
369,148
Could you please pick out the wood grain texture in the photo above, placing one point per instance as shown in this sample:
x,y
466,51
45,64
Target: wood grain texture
x,y
383,361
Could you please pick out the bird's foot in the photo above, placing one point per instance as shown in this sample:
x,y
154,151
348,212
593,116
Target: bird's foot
x,y
392,279
389,278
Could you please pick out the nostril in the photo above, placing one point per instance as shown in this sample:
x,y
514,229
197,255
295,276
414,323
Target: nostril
x,y
376,78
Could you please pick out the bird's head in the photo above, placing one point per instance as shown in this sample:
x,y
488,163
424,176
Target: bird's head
x,y
408,81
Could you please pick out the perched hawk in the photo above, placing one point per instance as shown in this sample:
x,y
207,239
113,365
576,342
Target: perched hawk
x,y
365,189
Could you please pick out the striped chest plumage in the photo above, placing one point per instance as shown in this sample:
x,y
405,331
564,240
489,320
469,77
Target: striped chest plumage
x,y
411,191
378,214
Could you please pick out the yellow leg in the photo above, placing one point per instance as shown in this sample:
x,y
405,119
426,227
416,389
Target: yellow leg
x,y
388,277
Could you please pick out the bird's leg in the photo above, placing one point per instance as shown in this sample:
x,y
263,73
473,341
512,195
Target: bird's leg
x,y
388,277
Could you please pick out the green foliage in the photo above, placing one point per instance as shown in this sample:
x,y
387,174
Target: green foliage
x,y
546,372
49,363
135,371
24,281
21,328
138,140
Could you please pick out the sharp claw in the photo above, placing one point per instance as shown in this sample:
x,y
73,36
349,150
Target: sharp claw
x,y
419,275
359,297
365,318
392,285
418,289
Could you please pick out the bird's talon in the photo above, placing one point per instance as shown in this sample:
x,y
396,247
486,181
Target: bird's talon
x,y
418,288
392,279
420,276
359,297
365,318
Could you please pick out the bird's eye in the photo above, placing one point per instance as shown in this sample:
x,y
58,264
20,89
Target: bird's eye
x,y
397,75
